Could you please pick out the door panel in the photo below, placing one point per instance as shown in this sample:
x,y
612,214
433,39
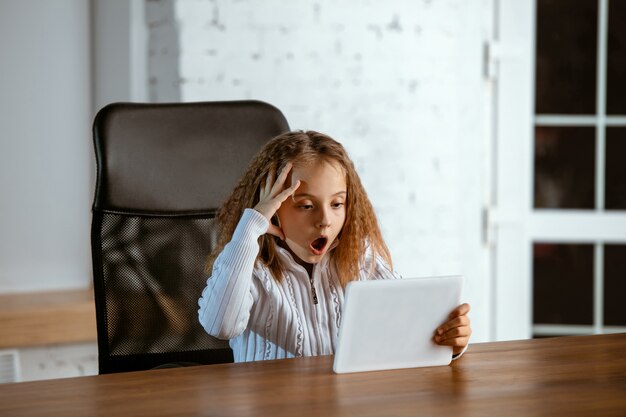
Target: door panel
x,y
566,261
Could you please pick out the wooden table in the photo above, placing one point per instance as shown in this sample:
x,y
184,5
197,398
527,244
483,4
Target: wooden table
x,y
569,376
47,318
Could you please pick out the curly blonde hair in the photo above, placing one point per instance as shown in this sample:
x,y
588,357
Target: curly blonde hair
x,y
359,230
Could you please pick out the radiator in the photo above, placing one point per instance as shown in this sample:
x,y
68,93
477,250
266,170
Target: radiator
x,y
9,366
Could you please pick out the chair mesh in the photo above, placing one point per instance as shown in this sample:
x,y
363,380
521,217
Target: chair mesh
x,y
147,307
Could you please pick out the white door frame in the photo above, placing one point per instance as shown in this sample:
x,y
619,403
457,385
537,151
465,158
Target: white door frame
x,y
507,218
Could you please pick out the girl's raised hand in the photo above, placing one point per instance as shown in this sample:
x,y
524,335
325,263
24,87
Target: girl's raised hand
x,y
272,195
456,331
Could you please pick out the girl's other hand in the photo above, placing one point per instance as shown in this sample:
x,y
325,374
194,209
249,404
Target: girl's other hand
x,y
272,195
456,331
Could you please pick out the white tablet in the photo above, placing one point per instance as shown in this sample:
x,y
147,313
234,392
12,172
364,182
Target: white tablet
x,y
390,324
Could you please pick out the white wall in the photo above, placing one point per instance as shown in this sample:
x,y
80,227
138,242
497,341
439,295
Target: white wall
x,y
46,163
45,145
120,52
399,82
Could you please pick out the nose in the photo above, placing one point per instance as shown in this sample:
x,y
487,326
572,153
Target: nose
x,y
323,221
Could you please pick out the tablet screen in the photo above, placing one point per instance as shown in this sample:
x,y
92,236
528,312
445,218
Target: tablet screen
x,y
390,324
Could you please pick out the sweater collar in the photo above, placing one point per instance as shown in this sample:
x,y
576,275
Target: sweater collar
x,y
289,261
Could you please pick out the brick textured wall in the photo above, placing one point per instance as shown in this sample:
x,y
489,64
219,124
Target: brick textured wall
x,y
398,82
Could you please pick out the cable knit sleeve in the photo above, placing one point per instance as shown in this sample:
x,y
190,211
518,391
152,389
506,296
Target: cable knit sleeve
x,y
227,299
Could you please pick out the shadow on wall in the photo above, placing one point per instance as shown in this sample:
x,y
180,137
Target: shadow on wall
x,y
163,51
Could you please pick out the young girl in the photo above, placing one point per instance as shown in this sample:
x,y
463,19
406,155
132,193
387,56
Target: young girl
x,y
297,228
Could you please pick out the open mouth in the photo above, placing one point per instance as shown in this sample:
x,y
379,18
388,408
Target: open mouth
x,y
318,245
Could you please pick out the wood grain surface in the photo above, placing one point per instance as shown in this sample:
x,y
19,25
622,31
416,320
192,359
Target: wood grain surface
x,y
567,376
45,318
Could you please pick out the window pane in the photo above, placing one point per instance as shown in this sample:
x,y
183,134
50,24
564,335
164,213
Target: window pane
x,y
566,57
615,190
616,64
562,284
565,167
614,285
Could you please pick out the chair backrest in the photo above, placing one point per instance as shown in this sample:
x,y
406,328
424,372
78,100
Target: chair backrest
x,y
162,171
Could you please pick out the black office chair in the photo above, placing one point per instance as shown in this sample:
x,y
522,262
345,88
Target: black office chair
x,y
162,171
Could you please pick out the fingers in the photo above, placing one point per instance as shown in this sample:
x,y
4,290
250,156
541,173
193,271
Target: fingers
x,y
272,195
276,230
457,318
273,185
269,182
278,185
457,330
461,310
461,321
462,331
456,342
458,336
287,192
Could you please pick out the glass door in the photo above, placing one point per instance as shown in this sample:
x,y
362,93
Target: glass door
x,y
559,169
578,223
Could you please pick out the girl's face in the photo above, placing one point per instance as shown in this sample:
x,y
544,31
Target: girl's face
x,y
313,218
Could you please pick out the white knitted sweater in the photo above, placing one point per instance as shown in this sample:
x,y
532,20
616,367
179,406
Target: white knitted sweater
x,y
267,319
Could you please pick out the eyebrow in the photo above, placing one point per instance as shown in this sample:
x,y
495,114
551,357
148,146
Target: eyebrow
x,y
312,196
